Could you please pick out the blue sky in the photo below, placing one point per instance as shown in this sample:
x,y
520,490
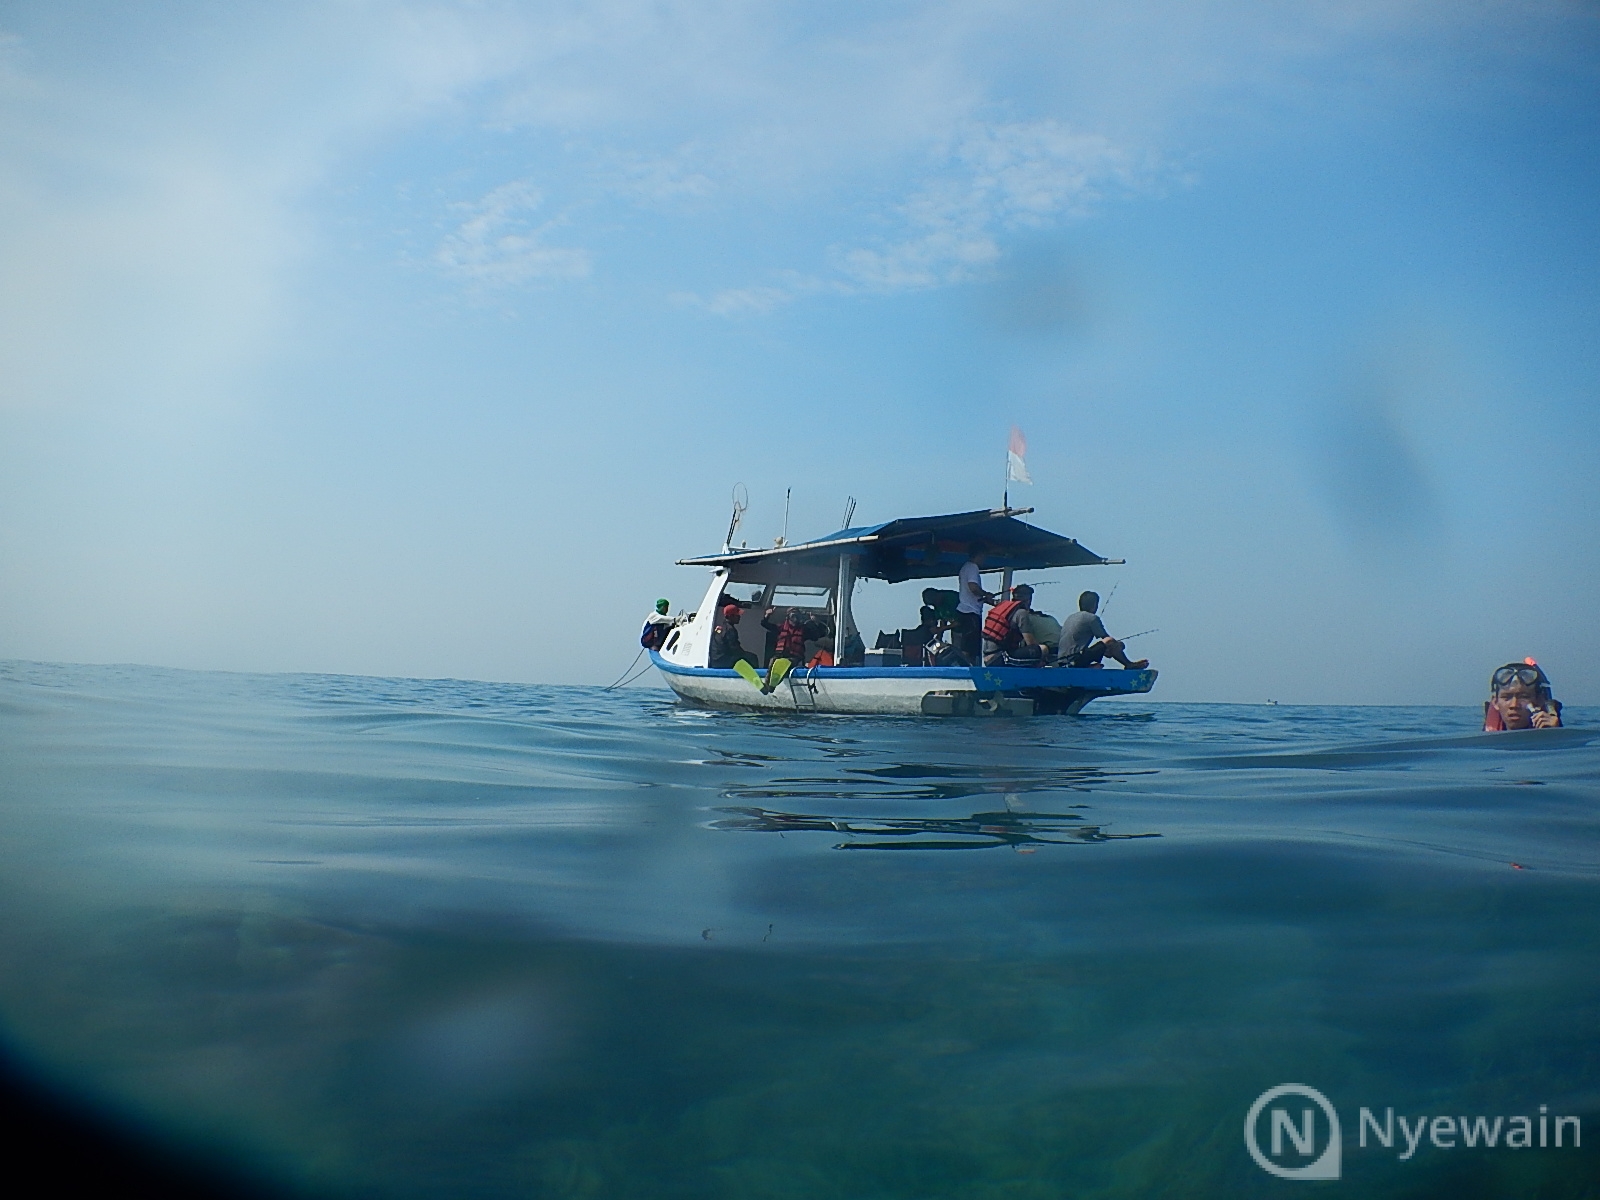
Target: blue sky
x,y
420,339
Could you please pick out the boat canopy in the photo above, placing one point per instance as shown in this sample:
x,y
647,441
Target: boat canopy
x,y
908,548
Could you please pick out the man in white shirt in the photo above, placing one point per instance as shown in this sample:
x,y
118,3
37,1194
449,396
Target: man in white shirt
x,y
969,608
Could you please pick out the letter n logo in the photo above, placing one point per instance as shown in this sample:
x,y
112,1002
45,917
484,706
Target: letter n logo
x,y
1301,1138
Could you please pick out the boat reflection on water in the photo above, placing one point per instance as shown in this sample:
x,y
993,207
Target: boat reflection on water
x,y
978,832
978,784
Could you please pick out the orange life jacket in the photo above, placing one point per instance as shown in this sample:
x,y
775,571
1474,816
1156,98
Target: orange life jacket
x,y
822,658
997,625
791,643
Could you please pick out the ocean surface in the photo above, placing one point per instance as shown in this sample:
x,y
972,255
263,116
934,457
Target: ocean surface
x,y
422,938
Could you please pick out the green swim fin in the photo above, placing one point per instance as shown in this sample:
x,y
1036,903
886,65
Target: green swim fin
x,y
750,673
777,673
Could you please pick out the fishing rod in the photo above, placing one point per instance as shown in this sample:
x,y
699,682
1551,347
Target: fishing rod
x,y
1141,633
739,507
1108,599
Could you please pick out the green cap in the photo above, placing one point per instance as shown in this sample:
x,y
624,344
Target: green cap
x,y
662,606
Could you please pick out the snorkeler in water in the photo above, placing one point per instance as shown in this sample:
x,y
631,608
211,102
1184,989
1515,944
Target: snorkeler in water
x,y
1519,698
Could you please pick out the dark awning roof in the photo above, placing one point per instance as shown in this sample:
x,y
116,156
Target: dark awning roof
x,y
909,548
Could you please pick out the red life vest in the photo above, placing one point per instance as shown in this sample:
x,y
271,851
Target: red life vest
x,y
997,625
791,643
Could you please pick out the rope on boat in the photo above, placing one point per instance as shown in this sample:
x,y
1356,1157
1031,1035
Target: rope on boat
x,y
635,677
623,680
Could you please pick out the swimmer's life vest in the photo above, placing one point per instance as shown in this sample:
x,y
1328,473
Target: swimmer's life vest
x,y
997,625
1493,722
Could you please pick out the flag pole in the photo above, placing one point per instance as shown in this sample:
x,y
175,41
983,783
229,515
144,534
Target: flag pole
x,y
1005,509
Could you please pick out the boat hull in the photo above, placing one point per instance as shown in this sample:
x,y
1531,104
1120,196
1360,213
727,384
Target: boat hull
x,y
906,690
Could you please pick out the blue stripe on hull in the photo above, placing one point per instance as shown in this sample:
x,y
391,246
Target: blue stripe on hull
x,y
985,679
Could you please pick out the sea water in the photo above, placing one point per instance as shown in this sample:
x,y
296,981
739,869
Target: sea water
x,y
387,937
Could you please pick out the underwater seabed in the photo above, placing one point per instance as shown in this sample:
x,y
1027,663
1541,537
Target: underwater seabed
x,y
390,1062
389,938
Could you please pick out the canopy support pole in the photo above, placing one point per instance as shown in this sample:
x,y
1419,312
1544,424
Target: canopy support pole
x,y
841,608
1005,584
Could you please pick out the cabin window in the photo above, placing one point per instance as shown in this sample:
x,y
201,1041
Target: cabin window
x,y
784,596
673,640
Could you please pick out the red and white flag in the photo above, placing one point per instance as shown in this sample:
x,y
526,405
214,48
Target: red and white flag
x,y
1016,453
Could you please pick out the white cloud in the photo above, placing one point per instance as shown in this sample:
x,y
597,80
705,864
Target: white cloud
x,y
760,299
153,201
995,178
663,181
498,243
163,186
738,302
987,180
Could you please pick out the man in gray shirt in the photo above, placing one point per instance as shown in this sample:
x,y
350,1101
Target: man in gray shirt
x,y
1085,642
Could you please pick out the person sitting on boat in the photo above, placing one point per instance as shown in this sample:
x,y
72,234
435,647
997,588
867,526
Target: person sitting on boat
x,y
1008,639
937,614
725,646
790,639
1045,631
1085,642
854,652
939,606
816,628
969,605
656,627
1519,698
824,655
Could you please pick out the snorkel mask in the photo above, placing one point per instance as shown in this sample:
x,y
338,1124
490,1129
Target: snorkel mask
x,y
1527,672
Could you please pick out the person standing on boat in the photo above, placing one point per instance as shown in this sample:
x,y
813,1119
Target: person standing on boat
x,y
725,646
1520,698
1085,642
968,628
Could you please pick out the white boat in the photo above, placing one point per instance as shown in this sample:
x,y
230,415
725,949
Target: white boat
x,y
821,575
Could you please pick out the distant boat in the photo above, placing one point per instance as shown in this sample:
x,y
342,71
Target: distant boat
x,y
820,576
